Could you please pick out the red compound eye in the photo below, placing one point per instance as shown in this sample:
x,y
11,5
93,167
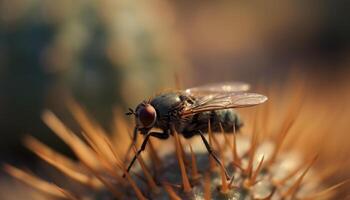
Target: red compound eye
x,y
147,116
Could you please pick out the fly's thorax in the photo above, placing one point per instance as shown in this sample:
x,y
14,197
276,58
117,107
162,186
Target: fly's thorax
x,y
165,105
165,102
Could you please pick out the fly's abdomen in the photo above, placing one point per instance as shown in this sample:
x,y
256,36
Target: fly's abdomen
x,y
228,118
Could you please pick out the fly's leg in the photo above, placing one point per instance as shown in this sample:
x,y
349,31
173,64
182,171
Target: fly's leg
x,y
133,142
212,153
162,136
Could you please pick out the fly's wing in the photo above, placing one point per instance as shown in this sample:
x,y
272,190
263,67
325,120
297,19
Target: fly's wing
x,y
226,100
226,87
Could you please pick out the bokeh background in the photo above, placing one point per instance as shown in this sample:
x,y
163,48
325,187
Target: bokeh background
x,y
108,53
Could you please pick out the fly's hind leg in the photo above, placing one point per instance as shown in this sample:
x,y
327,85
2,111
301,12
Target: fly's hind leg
x,y
212,153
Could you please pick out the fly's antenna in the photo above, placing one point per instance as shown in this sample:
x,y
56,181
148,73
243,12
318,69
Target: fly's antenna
x,y
131,112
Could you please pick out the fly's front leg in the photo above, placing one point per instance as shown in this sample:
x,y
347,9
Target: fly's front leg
x,y
133,142
162,136
212,153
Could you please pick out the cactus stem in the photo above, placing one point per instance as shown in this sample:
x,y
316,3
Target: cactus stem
x,y
68,195
230,184
284,130
269,197
289,176
186,183
251,153
236,158
110,187
215,140
171,192
327,191
60,162
157,162
36,182
252,179
146,172
236,165
227,141
136,189
224,185
104,160
195,174
183,154
116,159
211,159
295,187
207,191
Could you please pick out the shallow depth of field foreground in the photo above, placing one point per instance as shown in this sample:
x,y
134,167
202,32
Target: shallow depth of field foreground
x,y
284,151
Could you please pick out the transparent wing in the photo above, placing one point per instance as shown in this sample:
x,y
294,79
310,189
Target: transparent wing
x,y
224,101
214,88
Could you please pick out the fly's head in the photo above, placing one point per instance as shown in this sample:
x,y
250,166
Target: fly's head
x,y
145,116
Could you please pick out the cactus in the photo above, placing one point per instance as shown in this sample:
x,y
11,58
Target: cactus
x,y
179,168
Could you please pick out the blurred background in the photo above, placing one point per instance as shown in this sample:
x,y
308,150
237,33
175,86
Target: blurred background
x,y
110,53
103,53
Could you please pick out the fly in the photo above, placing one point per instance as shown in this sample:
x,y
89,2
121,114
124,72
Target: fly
x,y
190,111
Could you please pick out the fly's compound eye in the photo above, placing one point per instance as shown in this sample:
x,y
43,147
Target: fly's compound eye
x,y
146,116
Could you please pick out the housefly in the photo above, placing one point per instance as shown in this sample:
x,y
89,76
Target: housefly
x,y
191,111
